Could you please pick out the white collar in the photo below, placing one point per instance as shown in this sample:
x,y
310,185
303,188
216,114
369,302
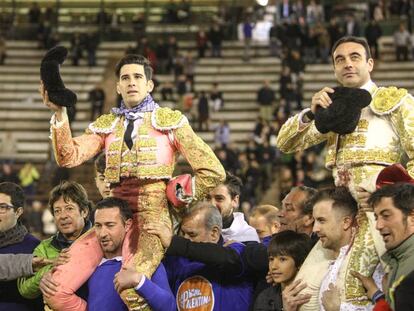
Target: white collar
x,y
117,258
369,86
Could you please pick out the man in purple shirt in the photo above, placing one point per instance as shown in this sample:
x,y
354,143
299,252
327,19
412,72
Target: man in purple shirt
x,y
113,219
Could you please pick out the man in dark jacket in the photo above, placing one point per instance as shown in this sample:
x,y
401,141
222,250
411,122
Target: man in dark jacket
x,y
14,239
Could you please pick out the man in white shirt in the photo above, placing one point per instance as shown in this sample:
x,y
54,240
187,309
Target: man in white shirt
x,y
335,211
226,198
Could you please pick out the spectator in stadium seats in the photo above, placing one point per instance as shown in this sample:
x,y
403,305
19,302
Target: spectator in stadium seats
x,y
184,11
248,27
97,100
172,52
324,42
378,13
203,112
373,32
202,43
33,218
8,174
401,43
198,262
3,50
274,41
34,13
314,13
14,239
222,134
286,90
139,26
161,52
170,12
285,10
91,45
226,198
351,26
28,176
71,208
216,97
76,48
286,252
335,30
189,65
215,36
265,99
167,92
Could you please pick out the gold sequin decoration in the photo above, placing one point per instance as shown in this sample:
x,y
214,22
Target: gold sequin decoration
x,y
364,260
208,169
113,155
103,123
165,118
146,157
146,143
358,156
362,125
387,98
353,140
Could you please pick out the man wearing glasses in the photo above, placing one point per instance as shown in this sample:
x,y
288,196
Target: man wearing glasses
x,y
14,239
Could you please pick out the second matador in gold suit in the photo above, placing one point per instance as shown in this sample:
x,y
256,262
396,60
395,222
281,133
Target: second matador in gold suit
x,y
383,136
138,168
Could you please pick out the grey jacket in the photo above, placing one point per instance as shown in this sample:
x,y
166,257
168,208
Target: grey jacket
x,y
13,266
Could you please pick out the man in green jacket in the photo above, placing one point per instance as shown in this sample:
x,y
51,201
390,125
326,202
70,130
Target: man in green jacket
x,y
71,208
394,211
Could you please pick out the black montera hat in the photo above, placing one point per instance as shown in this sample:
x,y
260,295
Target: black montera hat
x,y
343,114
52,81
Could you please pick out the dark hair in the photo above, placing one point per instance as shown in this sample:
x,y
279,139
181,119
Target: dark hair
x,y
304,205
358,40
212,216
342,200
402,195
233,184
135,59
100,163
15,192
73,191
112,202
292,244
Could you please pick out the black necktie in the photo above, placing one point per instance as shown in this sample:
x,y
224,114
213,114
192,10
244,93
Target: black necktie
x,y
128,132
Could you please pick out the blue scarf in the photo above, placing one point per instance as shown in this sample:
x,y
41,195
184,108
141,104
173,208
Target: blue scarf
x,y
147,105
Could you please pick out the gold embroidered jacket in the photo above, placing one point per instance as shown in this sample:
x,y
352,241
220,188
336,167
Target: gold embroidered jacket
x,y
162,134
384,134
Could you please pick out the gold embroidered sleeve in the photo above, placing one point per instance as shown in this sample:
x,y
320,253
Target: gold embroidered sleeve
x,y
403,122
71,152
207,168
294,137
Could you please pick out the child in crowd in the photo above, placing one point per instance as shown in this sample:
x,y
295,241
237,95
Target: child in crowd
x,y
287,251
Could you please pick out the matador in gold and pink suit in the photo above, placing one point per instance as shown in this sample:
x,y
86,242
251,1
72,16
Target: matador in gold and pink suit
x,y
384,136
139,175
